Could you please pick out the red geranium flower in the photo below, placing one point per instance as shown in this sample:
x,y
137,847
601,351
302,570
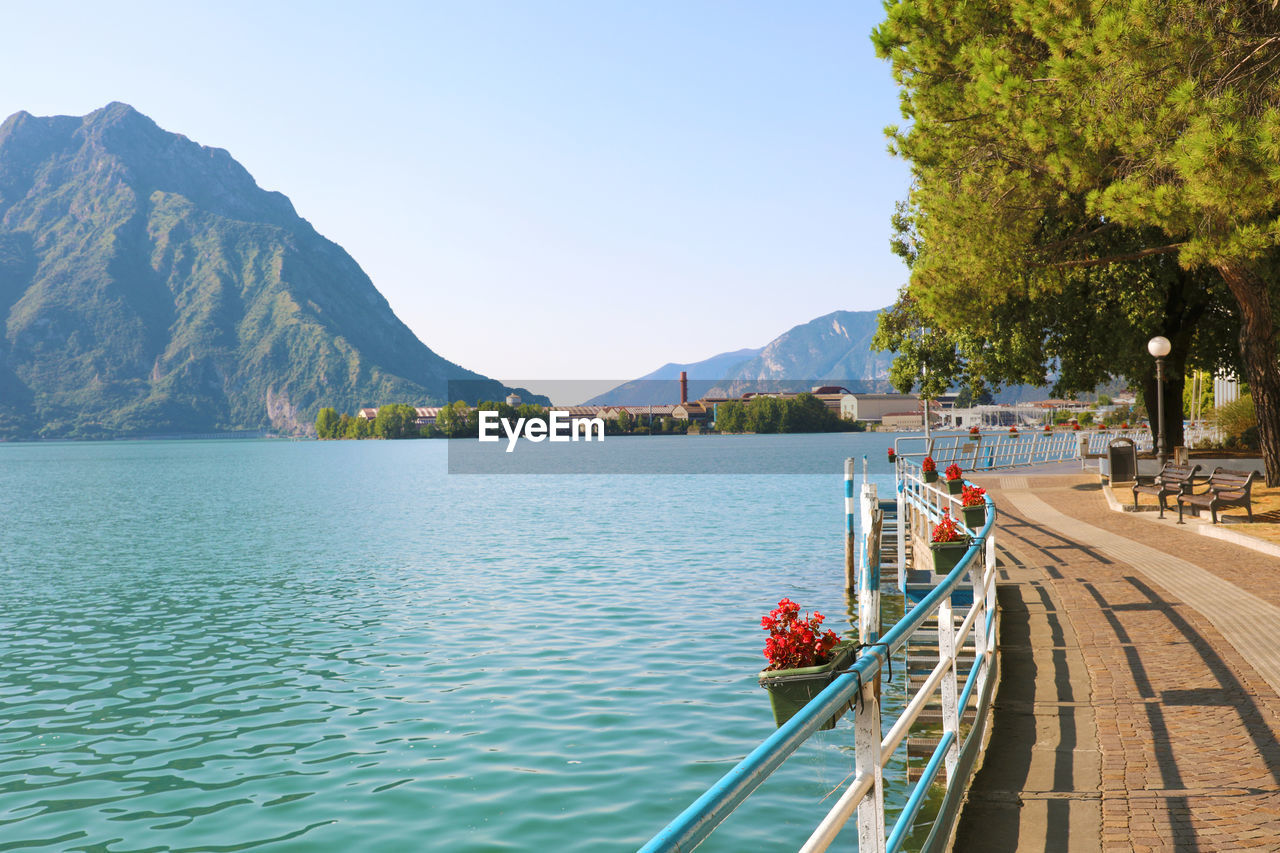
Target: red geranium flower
x,y
947,530
794,641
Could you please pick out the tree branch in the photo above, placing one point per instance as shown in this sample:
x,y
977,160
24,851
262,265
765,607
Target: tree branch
x,y
1130,256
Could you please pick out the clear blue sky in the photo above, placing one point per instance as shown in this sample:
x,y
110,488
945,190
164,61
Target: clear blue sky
x,y
540,189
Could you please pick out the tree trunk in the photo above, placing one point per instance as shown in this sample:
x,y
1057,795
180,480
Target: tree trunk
x,y
1258,354
1174,380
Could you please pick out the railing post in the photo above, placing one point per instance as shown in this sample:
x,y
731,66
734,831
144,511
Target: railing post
x,y
869,578
991,561
950,711
977,570
850,539
902,534
867,734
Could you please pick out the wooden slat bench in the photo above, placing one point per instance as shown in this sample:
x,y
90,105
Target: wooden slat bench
x,y
1173,479
1225,488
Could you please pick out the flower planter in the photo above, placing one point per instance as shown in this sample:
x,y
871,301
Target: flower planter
x,y
791,689
973,436
974,516
954,486
947,554
930,476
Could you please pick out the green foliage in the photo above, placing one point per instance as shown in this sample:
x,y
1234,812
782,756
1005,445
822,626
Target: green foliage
x,y
1087,174
928,355
731,417
672,426
1238,421
762,414
1206,396
357,428
396,420
451,420
968,397
327,423
625,421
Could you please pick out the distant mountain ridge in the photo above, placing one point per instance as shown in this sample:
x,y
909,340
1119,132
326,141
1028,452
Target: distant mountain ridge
x,y
661,386
834,349
149,286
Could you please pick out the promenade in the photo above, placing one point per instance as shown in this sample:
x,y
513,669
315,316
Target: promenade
x,y
1139,701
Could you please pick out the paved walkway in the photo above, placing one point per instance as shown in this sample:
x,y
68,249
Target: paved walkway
x,y
1139,703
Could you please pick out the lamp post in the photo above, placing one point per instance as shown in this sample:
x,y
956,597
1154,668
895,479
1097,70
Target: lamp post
x,y
1159,347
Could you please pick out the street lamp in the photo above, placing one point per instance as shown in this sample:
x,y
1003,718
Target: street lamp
x,y
1159,347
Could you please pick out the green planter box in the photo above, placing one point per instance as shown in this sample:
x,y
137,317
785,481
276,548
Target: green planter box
x,y
930,476
791,689
947,554
973,437
955,486
974,516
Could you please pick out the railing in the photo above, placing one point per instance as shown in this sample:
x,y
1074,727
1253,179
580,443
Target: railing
x,y
919,504
995,450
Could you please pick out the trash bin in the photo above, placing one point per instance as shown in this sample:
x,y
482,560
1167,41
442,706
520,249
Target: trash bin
x,y
1122,460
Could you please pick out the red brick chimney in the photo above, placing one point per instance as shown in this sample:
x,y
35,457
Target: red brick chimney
x,y
684,387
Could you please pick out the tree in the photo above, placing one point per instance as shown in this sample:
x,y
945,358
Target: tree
x,y
357,428
1120,146
764,414
625,421
806,413
969,397
395,420
731,416
327,423
452,419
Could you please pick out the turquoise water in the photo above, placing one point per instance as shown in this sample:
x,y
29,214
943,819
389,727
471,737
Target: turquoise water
x,y
336,646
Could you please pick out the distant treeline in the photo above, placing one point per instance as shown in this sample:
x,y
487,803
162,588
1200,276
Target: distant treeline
x,y
802,413
461,420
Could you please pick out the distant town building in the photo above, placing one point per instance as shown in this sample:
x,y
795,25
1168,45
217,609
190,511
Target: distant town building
x,y
513,400
899,421
873,407
694,411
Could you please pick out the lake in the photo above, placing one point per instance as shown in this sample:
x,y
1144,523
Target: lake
x,y
236,645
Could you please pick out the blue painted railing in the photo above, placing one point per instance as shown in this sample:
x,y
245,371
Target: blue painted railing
x,y
920,504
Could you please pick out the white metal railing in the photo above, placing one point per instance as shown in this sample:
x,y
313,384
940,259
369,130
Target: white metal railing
x,y
921,505
1201,435
956,751
994,450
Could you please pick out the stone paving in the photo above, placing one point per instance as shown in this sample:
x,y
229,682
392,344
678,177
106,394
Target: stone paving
x,y
1139,703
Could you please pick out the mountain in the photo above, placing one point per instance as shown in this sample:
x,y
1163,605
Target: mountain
x,y
661,386
149,286
834,349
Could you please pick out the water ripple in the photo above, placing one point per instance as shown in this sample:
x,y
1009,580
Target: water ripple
x,y
332,646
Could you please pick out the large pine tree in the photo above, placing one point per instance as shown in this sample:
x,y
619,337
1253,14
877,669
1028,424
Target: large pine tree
x,y
1089,174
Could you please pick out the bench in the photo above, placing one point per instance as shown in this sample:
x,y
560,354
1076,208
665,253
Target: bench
x,y
1173,479
1225,488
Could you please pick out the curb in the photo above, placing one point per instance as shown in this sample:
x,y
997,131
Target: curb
x,y
1213,531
